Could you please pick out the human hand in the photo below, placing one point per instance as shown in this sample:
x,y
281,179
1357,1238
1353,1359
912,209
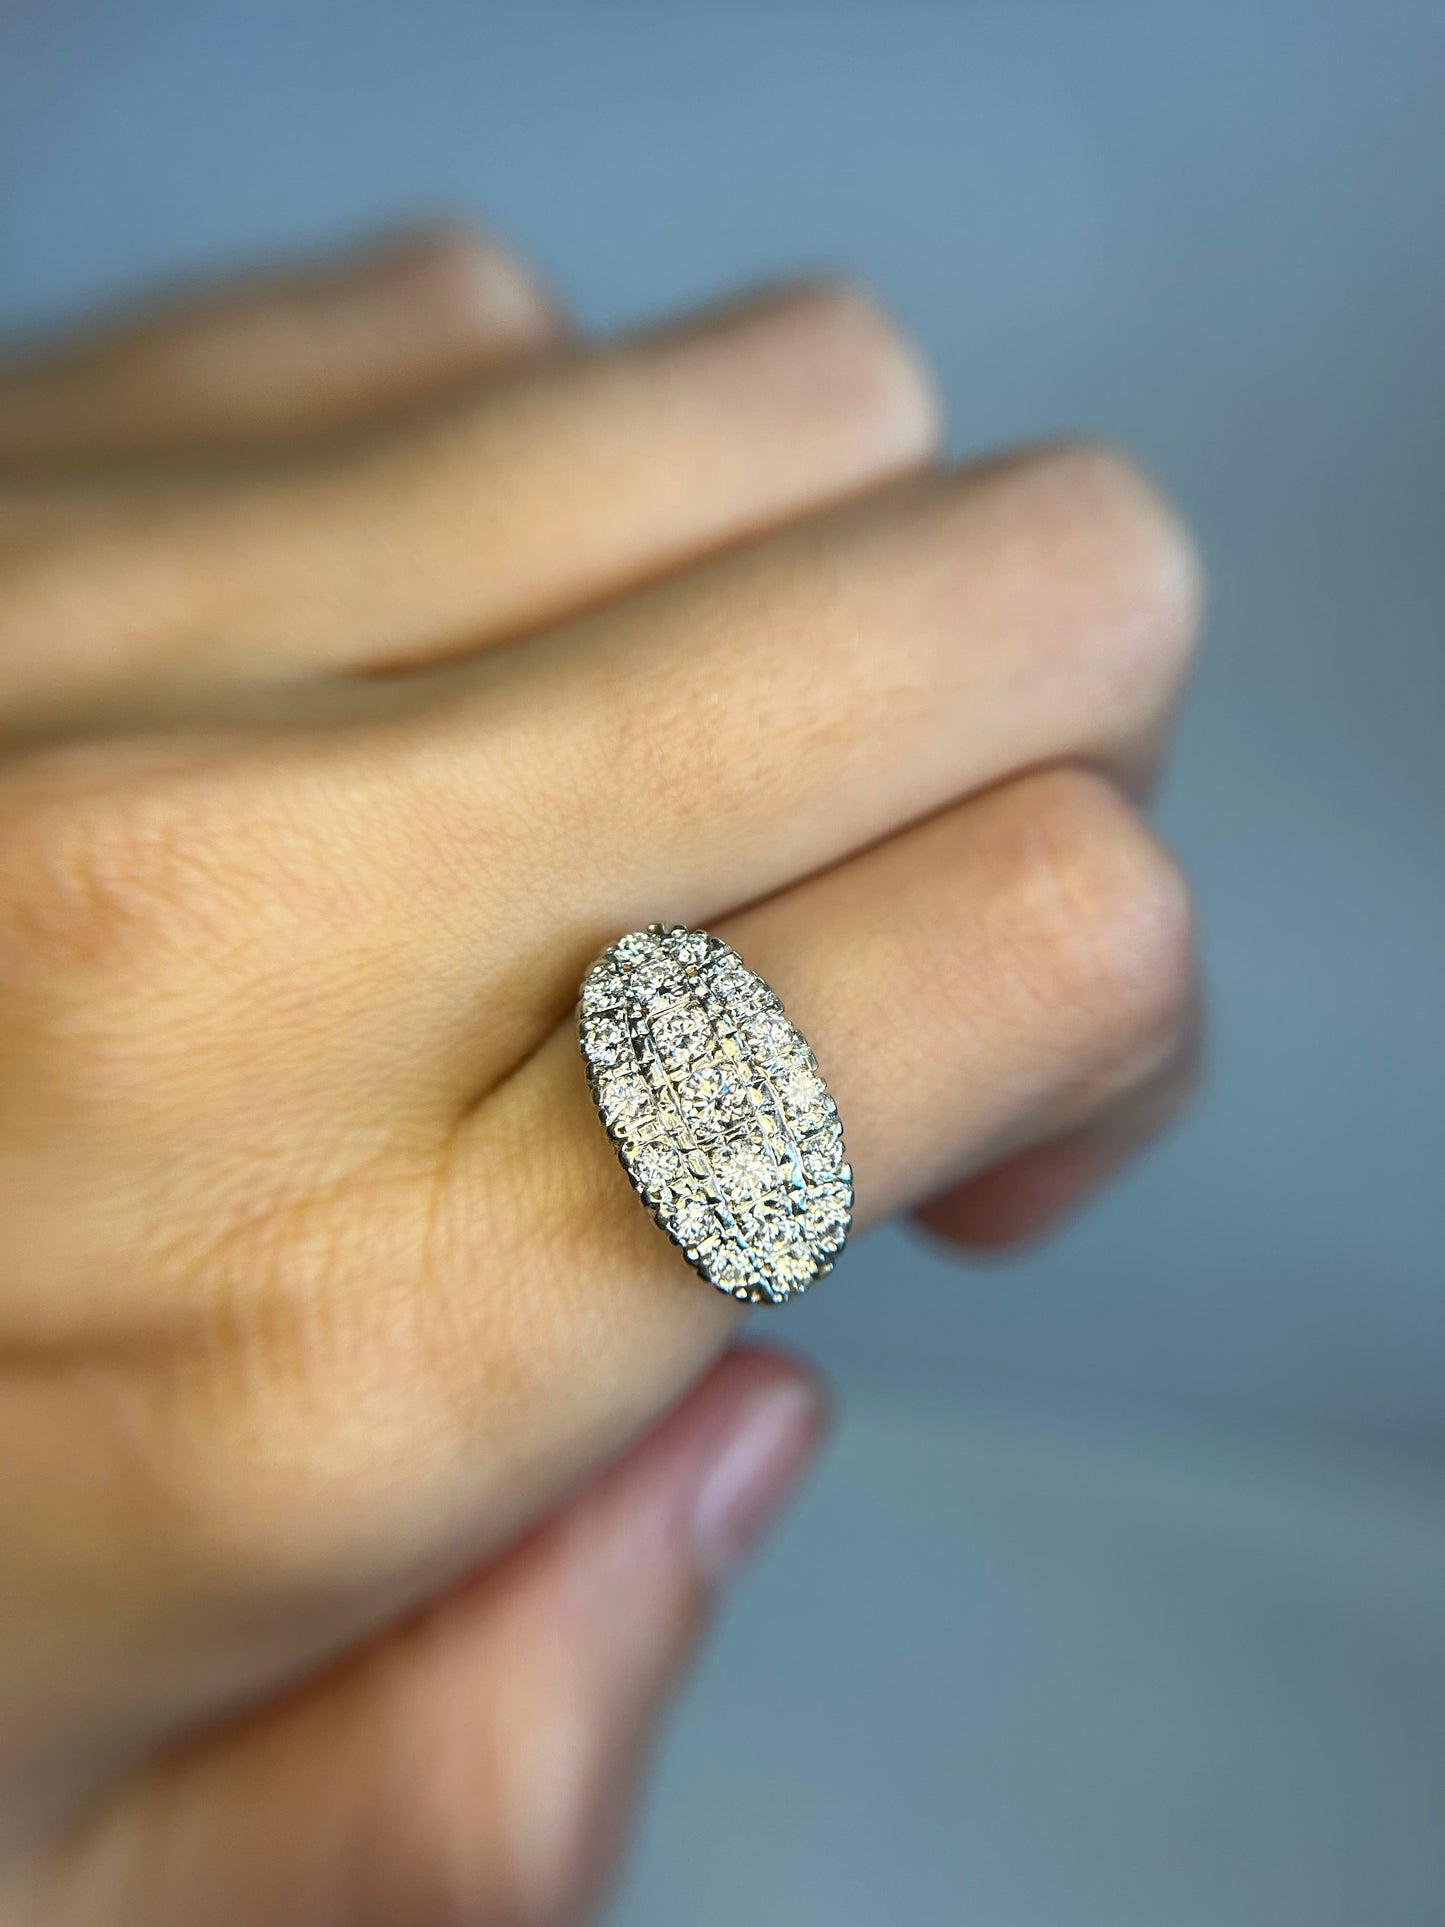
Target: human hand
x,y
369,654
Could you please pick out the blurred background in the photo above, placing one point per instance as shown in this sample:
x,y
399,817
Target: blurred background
x,y
1121,1600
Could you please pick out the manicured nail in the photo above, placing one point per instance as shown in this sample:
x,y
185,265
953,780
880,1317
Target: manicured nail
x,y
752,1472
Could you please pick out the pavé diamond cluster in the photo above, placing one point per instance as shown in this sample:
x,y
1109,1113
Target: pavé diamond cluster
x,y
717,1110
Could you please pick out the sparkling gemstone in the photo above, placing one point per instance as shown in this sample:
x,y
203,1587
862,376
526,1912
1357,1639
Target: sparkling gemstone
x,y
657,1164
774,1040
681,1033
602,989
625,1097
658,981
710,1094
607,1042
800,1089
730,978
745,1173
693,1218
690,947
825,1220
791,1265
636,945
731,1268
766,1223
823,1155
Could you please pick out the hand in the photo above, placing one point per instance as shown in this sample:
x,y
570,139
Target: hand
x,y
370,653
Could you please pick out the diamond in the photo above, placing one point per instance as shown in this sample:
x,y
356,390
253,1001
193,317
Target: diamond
x,y
731,1269
693,1219
624,1096
657,1164
731,980
690,947
792,1266
657,981
681,1033
774,1040
636,945
710,1094
602,989
607,1041
801,1090
823,1155
766,1223
825,1218
745,1173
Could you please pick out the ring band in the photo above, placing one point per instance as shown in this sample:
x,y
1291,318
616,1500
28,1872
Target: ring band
x,y
715,1106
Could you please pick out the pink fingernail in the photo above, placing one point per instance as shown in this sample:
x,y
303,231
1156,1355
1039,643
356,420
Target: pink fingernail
x,y
752,1472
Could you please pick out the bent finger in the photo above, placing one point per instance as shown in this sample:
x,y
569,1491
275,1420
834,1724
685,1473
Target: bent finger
x,y
980,982
1031,1194
479,1764
727,734
278,356
356,1397
527,501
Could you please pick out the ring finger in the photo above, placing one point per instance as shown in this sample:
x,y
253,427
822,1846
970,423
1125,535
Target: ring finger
x,y
985,981
681,756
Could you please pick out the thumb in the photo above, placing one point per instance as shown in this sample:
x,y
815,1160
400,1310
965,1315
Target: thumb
x,y
479,1763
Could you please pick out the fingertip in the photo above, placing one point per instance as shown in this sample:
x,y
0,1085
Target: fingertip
x,y
771,1437
827,355
882,361
626,1587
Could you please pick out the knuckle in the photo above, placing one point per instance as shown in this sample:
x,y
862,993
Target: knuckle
x,y
133,870
1109,916
865,357
475,282
97,861
1128,558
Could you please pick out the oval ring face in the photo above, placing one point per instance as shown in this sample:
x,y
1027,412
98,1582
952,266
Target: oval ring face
x,y
715,1106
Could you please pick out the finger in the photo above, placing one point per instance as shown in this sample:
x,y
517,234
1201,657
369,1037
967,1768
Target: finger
x,y
732,734
358,1387
531,500
475,850
479,1764
981,982
474,854
280,356
1032,1193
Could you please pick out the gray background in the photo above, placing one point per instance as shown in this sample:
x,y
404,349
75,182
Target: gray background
x,y
1122,1597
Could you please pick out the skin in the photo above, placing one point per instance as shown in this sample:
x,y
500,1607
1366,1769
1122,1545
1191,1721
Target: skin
x,y
371,652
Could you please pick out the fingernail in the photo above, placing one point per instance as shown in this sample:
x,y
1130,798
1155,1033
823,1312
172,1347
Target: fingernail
x,y
753,1471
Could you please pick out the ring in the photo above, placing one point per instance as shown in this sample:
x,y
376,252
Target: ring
x,y
715,1106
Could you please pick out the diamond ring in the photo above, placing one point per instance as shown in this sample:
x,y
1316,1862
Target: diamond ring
x,y
715,1106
